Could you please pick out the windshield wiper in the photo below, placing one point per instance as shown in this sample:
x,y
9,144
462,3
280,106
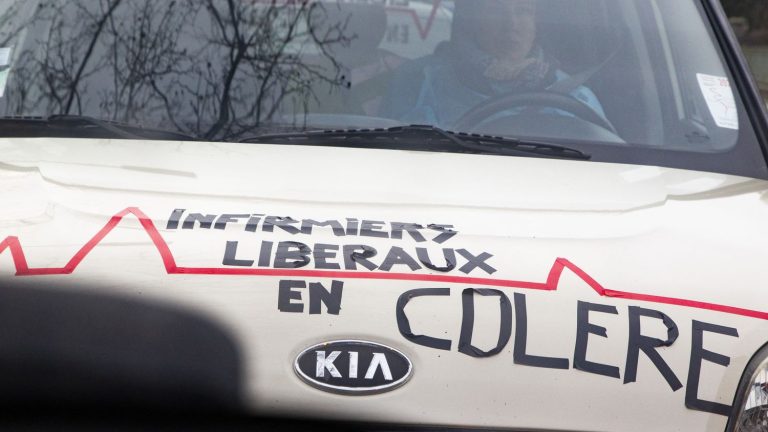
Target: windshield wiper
x,y
423,137
78,126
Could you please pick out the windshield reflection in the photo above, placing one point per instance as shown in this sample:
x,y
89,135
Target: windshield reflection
x,y
213,68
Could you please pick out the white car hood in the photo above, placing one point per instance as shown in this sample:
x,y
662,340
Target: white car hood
x,y
688,244
323,174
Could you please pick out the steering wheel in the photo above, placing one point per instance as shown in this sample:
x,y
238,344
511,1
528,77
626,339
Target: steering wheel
x,y
498,104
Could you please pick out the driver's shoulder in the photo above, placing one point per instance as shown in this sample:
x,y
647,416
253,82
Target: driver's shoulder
x,y
415,69
408,81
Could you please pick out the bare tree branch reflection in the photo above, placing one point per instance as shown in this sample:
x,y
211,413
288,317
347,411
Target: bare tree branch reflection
x,y
217,69
11,21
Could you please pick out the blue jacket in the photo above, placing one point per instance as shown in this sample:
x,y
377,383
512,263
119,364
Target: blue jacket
x,y
430,91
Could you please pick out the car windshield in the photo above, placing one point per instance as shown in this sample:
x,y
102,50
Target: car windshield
x,y
628,81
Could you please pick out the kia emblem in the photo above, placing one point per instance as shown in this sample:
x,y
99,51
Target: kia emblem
x,y
353,367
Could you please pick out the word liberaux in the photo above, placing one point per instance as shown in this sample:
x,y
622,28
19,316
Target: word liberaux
x,y
294,254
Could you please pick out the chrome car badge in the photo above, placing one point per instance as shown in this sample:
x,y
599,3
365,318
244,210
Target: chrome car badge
x,y
353,367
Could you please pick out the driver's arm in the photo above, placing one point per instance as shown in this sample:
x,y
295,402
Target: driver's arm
x,y
409,97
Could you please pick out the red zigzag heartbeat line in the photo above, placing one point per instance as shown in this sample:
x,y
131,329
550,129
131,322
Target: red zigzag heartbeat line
x,y
553,279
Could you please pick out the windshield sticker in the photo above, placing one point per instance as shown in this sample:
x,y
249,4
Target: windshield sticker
x,y
5,68
719,97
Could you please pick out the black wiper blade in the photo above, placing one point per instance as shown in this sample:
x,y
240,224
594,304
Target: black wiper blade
x,y
78,126
124,130
78,121
405,137
507,145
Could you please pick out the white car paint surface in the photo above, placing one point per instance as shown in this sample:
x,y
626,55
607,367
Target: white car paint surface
x,y
560,234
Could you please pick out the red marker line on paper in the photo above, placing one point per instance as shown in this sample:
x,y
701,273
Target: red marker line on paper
x,y
551,283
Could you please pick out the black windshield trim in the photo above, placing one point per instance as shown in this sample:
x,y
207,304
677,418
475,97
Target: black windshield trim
x,y
77,126
739,68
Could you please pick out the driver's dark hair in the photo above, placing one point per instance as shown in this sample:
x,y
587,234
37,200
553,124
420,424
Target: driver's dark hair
x,y
462,13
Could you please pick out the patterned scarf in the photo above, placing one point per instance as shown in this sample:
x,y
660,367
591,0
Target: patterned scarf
x,y
490,75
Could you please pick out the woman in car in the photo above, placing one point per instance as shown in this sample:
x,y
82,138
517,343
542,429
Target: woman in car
x,y
492,51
